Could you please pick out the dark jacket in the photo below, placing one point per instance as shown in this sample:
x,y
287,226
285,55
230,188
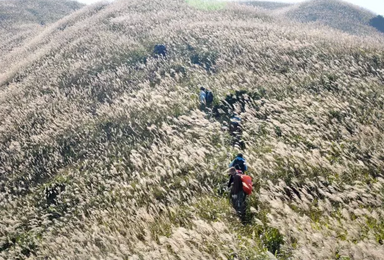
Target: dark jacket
x,y
237,184
239,163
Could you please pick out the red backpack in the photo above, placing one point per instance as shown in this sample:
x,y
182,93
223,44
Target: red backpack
x,y
247,183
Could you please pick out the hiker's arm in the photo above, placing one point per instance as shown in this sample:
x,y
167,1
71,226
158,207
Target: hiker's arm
x,y
230,181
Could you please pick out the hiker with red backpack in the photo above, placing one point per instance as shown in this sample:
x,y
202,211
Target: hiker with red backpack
x,y
241,185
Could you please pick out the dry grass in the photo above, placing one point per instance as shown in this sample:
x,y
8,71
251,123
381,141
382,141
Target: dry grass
x,y
21,20
91,116
267,4
337,14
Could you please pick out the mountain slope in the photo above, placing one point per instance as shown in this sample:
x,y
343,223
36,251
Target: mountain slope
x,y
105,153
35,11
335,14
22,19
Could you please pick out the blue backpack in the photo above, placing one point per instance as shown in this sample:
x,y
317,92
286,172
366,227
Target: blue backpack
x,y
208,97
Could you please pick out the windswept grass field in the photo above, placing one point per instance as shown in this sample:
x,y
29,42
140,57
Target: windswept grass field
x,y
335,14
104,153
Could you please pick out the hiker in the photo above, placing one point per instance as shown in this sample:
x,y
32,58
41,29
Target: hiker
x,y
238,196
206,98
202,98
160,50
239,163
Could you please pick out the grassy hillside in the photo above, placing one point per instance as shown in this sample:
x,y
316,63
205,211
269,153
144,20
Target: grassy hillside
x,y
22,19
105,154
335,14
35,11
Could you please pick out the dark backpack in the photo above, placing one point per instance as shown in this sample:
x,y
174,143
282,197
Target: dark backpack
x,y
208,97
160,50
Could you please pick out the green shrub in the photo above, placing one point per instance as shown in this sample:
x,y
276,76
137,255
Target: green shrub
x,y
273,240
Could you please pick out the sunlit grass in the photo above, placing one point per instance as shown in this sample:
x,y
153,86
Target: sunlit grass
x,y
208,5
105,153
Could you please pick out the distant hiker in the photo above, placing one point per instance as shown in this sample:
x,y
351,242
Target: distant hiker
x,y
202,98
239,163
206,98
160,50
238,196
